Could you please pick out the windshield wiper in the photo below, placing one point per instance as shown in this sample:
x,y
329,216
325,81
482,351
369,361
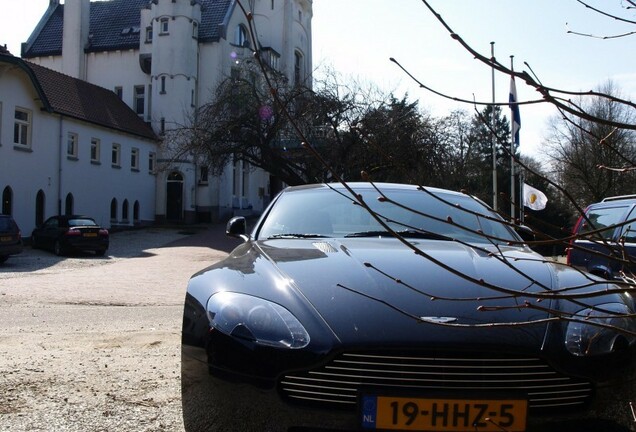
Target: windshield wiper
x,y
423,235
403,233
369,234
293,235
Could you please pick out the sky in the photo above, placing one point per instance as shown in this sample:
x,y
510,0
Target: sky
x,y
356,38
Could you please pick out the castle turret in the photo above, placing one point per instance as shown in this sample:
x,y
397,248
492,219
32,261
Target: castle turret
x,y
174,33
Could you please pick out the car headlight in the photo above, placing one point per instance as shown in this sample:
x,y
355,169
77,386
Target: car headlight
x,y
591,338
257,320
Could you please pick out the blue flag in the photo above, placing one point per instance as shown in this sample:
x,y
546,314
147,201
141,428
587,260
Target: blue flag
x,y
514,108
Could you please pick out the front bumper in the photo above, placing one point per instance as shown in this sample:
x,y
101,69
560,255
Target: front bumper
x,y
218,401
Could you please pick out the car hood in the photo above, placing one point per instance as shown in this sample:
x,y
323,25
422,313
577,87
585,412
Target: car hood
x,y
380,291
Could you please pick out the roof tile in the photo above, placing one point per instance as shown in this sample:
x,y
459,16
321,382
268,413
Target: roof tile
x,y
109,18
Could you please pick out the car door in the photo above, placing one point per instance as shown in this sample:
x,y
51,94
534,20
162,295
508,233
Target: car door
x,y
49,232
596,248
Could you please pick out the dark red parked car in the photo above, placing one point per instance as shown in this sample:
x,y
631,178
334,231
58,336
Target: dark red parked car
x,y
62,234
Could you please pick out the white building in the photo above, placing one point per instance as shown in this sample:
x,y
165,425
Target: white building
x,y
164,58
70,147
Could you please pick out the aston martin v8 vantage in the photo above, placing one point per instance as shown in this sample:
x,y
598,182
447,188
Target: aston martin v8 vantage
x,y
384,307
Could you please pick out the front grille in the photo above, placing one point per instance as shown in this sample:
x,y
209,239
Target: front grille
x,y
338,382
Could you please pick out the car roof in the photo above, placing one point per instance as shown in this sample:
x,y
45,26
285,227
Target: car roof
x,y
72,217
630,198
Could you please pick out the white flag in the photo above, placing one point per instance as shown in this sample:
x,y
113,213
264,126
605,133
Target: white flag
x,y
534,198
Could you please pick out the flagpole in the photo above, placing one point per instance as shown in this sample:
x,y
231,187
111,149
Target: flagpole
x,y
492,125
513,200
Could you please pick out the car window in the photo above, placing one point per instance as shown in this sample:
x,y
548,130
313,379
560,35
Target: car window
x,y
51,223
628,232
333,214
81,222
600,218
6,224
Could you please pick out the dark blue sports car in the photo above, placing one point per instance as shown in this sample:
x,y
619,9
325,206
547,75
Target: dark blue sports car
x,y
383,307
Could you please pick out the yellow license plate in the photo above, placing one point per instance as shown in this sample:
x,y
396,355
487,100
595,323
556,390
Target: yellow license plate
x,y
90,234
5,239
443,415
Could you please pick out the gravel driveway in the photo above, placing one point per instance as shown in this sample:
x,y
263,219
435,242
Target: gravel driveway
x,y
92,343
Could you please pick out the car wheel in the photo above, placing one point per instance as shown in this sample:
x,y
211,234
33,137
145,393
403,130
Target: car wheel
x,y
3,258
100,252
34,243
57,248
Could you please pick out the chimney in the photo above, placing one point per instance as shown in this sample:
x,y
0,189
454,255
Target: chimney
x,y
75,37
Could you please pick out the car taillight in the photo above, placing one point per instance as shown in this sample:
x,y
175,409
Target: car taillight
x,y
103,232
73,233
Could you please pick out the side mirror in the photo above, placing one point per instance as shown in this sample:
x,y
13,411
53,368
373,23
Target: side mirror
x,y
525,232
237,227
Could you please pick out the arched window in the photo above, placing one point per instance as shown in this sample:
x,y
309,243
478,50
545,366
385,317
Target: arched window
x,y
113,210
136,211
40,201
298,67
69,204
7,201
124,210
240,36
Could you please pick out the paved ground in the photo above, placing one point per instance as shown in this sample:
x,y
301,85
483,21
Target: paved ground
x,y
92,343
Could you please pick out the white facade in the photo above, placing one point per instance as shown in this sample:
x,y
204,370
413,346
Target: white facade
x,y
54,164
175,73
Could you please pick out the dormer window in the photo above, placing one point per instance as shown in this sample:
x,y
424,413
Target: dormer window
x,y
240,36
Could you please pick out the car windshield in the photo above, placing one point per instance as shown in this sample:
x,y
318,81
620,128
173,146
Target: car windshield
x,y
81,222
324,212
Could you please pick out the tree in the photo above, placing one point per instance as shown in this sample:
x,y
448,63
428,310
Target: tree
x,y
593,160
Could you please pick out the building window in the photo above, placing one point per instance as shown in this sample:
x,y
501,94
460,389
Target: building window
x,y
119,91
69,204
152,159
71,145
140,100
22,127
163,85
95,149
148,34
124,211
164,26
240,187
272,4
195,29
116,155
134,159
7,201
113,209
240,36
162,126
40,200
203,175
298,67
